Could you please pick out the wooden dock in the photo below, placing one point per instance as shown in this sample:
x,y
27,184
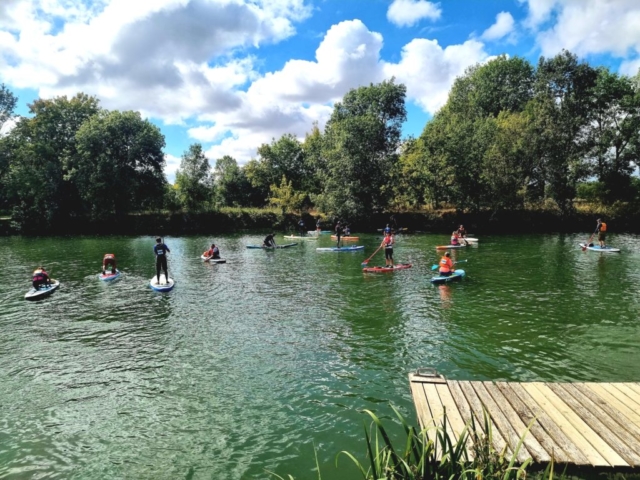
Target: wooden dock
x,y
581,424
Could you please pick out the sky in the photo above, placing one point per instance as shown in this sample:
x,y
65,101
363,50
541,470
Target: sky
x,y
234,74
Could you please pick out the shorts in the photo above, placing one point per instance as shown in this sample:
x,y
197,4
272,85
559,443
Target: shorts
x,y
445,274
388,253
602,236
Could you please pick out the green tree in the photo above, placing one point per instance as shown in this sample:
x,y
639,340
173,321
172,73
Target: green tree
x,y
284,156
361,143
231,185
8,102
118,165
614,134
38,182
193,179
562,110
285,197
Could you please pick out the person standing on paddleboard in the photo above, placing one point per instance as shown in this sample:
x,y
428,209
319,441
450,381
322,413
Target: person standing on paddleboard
x,y
302,228
601,228
269,241
318,229
40,277
160,249
387,243
109,260
446,265
338,233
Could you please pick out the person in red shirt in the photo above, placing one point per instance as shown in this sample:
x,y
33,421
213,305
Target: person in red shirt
x,y
387,242
446,265
109,260
213,252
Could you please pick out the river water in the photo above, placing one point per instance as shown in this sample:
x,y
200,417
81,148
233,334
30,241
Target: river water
x,y
250,366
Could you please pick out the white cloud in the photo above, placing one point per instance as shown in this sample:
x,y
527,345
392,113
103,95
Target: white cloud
x,y
406,13
172,165
587,27
504,26
428,70
630,68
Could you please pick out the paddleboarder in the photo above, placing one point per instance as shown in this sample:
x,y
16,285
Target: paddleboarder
x,y
601,228
387,243
269,241
109,260
318,229
302,228
40,277
462,233
454,238
161,250
213,252
339,232
446,265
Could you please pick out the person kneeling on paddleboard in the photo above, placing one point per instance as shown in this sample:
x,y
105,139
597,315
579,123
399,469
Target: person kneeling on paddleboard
x,y
446,265
160,249
388,242
454,238
40,277
213,252
462,233
109,260
269,241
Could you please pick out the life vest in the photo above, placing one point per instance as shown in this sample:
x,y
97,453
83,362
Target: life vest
x,y
388,241
208,253
446,265
40,275
109,256
603,227
454,239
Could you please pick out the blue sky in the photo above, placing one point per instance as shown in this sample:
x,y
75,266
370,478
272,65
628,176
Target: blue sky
x,y
233,74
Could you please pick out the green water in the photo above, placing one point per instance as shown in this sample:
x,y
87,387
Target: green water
x,y
245,367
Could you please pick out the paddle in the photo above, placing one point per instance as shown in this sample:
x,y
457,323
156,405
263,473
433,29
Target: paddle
x,y
435,267
584,249
364,264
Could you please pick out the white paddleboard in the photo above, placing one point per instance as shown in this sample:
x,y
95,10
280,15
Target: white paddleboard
x,y
163,285
597,248
43,291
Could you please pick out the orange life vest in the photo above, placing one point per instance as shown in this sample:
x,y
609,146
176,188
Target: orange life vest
x,y
109,256
603,227
446,265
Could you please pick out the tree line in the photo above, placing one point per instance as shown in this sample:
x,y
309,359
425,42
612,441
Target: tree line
x,y
510,135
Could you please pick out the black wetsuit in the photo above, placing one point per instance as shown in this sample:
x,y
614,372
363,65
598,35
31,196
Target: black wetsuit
x,y
160,249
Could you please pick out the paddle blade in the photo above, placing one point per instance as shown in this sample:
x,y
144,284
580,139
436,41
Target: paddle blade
x,y
365,263
584,248
434,267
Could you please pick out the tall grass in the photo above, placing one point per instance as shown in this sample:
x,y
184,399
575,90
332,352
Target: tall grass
x,y
431,454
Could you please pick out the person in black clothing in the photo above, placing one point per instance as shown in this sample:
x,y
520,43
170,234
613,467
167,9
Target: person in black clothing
x,y
339,232
269,241
302,228
160,249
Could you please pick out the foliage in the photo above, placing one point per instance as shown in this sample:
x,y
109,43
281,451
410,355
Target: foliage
x,y
285,197
39,183
361,142
193,179
8,102
232,188
118,165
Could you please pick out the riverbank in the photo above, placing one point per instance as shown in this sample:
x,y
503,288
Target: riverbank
x,y
620,220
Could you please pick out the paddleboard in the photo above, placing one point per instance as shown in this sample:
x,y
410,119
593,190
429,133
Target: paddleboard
x,y
109,276
445,247
381,269
43,291
341,249
456,275
301,238
349,237
163,286
598,248
471,239
212,260
271,248
315,232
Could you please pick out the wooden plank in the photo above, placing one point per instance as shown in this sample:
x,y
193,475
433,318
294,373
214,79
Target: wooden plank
x,y
427,375
510,435
499,443
461,402
537,451
572,427
620,418
539,407
606,396
420,401
600,421
437,414
632,398
454,417
635,387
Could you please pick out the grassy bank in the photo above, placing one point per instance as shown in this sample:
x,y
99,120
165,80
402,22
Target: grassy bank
x,y
622,218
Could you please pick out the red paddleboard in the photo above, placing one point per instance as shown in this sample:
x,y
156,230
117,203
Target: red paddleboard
x,y
399,266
